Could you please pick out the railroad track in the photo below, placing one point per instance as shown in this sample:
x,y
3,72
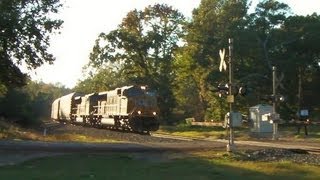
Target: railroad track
x,y
294,146
281,145
168,136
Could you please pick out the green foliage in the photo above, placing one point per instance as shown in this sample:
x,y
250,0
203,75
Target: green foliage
x,y
3,90
262,39
102,80
25,26
197,63
27,105
142,48
300,51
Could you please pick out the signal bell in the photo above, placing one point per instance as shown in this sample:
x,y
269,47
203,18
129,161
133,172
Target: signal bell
x,y
243,90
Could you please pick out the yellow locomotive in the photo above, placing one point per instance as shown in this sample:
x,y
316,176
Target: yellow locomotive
x,y
132,108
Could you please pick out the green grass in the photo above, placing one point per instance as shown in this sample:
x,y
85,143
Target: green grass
x,y
241,133
167,166
203,132
10,131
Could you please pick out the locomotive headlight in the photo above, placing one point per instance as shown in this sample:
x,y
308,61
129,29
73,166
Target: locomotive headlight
x,y
154,113
139,112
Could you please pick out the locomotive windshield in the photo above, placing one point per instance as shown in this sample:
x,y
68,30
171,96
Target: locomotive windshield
x,y
146,102
134,91
141,97
137,91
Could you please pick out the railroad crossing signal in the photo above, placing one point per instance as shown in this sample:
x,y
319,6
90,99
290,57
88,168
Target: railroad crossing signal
x,y
279,81
224,89
223,65
228,89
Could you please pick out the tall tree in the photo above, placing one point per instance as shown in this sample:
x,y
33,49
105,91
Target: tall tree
x,y
143,46
258,43
25,26
268,17
197,64
299,50
104,79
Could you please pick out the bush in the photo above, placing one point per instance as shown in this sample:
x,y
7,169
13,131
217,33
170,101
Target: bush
x,y
189,121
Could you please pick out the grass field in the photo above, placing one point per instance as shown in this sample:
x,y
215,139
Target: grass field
x,y
197,165
10,131
202,166
241,133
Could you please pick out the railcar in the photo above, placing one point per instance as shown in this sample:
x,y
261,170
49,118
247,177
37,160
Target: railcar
x,y
132,108
61,107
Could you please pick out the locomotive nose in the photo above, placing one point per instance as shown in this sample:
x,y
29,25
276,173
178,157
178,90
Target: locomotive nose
x,y
145,106
146,111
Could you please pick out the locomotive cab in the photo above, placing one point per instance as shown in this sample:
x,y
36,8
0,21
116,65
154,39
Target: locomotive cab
x,y
142,108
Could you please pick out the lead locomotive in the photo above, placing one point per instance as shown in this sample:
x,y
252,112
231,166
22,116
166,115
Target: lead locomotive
x,y
131,107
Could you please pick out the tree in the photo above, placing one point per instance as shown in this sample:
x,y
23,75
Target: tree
x,y
25,26
143,46
264,25
197,63
299,51
105,79
31,103
256,48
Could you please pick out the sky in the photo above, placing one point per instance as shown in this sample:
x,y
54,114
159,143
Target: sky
x,y
84,20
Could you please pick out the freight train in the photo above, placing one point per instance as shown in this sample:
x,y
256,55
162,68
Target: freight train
x,y
132,108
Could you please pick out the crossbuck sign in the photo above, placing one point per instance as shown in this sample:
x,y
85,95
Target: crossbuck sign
x,y
223,65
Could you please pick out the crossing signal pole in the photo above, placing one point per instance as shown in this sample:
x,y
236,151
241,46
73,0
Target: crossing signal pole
x,y
231,90
230,99
275,98
275,123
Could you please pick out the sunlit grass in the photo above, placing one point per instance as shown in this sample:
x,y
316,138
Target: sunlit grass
x,y
9,131
240,133
76,138
203,132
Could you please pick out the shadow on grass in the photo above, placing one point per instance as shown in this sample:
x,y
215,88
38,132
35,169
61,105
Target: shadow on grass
x,y
150,166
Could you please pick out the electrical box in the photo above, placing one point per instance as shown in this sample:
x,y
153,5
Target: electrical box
x,y
259,115
236,119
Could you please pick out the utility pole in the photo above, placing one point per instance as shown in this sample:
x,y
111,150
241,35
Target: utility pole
x,y
299,94
275,123
230,99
